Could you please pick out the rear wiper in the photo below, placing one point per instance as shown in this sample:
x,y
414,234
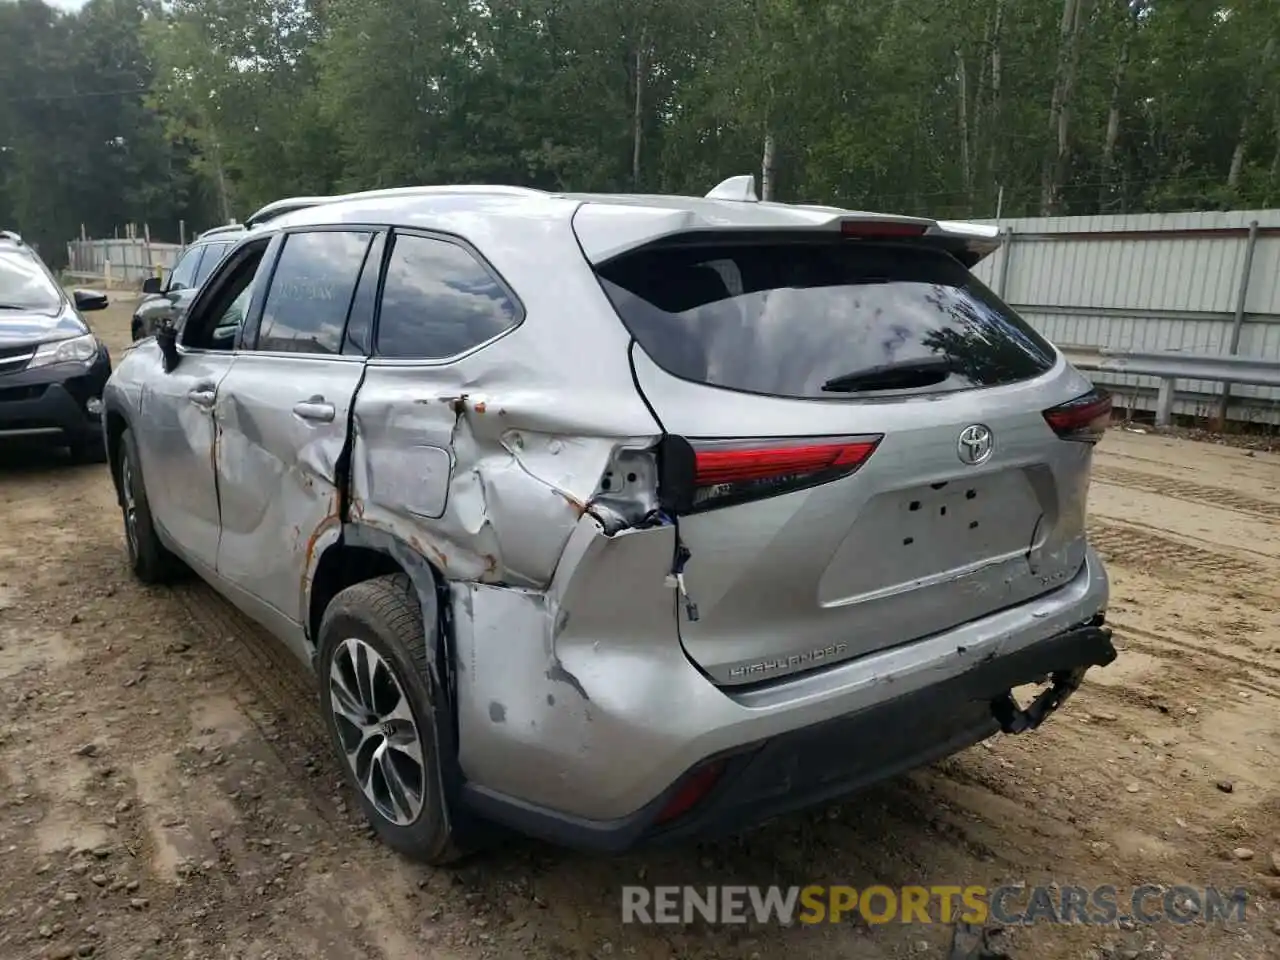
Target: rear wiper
x,y
902,375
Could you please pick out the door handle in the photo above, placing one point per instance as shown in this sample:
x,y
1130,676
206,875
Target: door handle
x,y
315,409
201,396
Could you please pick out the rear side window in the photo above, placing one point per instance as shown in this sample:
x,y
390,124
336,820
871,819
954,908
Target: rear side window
x,y
438,301
310,293
786,318
184,271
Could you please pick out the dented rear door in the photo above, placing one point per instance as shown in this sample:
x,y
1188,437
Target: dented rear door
x,y
283,415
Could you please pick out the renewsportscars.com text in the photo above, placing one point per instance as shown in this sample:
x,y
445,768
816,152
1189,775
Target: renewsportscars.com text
x,y
1009,905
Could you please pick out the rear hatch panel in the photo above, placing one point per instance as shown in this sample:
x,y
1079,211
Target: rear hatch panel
x,y
918,539
914,543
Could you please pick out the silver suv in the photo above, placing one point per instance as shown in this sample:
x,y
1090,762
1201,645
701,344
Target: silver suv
x,y
618,518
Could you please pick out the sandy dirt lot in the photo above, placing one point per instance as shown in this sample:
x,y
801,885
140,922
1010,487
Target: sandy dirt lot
x,y
166,791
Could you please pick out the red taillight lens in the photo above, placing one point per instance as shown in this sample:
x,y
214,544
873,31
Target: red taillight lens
x,y
733,471
873,229
1085,418
695,786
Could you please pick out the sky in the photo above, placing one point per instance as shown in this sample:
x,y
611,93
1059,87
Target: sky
x,y
66,4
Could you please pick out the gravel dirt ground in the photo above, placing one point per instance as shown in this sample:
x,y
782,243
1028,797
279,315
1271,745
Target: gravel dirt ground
x,y
166,791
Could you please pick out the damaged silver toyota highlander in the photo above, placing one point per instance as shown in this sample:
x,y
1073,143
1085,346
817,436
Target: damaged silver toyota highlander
x,y
614,519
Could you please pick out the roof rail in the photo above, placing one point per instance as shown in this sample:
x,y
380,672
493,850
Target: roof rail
x,y
225,228
279,208
736,188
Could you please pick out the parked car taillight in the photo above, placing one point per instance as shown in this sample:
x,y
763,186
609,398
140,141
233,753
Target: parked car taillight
x,y
1084,419
734,471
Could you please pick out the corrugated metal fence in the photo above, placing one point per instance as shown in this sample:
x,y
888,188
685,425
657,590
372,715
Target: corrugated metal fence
x,y
1205,282
123,262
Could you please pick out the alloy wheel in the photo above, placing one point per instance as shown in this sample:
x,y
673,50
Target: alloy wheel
x,y
130,506
379,735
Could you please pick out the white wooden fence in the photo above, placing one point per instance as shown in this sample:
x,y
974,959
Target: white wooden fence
x,y
119,262
1200,282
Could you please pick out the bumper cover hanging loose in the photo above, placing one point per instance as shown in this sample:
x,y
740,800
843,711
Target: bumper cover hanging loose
x,y
1093,638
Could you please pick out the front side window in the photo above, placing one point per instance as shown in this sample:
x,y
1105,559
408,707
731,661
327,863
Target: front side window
x,y
310,292
221,309
184,271
24,284
438,301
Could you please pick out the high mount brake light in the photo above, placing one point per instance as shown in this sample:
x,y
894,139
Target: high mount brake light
x,y
876,229
1085,418
728,472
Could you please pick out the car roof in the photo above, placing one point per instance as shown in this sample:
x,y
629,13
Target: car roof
x,y
229,231
606,224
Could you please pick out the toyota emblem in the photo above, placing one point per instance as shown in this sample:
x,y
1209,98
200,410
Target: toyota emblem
x,y
975,444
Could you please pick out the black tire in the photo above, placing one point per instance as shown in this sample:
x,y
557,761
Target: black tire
x,y
149,559
88,449
385,614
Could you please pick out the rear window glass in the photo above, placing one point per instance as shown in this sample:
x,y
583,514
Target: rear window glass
x,y
785,318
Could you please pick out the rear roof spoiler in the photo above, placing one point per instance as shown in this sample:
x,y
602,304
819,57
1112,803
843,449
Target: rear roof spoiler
x,y
611,226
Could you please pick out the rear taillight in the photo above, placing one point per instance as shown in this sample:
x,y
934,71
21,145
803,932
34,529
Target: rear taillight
x,y
733,471
880,229
1085,418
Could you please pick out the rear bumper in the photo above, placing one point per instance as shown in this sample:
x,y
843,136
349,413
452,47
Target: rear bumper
x,y
830,760
587,748
59,403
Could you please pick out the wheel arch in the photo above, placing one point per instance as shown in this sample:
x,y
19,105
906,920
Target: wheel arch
x,y
362,553
114,423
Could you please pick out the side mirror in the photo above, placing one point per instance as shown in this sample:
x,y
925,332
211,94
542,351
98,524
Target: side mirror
x,y
89,300
152,285
167,340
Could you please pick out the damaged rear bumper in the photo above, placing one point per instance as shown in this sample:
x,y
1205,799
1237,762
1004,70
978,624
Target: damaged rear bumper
x,y
829,761
601,768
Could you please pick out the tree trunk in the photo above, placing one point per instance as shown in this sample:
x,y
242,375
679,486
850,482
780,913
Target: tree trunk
x,y
1055,165
976,122
766,168
1237,155
1250,106
637,116
1273,182
224,201
1113,115
962,81
993,114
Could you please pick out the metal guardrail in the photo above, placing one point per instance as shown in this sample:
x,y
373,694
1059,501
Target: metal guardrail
x,y
1173,365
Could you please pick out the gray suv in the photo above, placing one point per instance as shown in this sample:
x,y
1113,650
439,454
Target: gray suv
x,y
622,518
164,299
